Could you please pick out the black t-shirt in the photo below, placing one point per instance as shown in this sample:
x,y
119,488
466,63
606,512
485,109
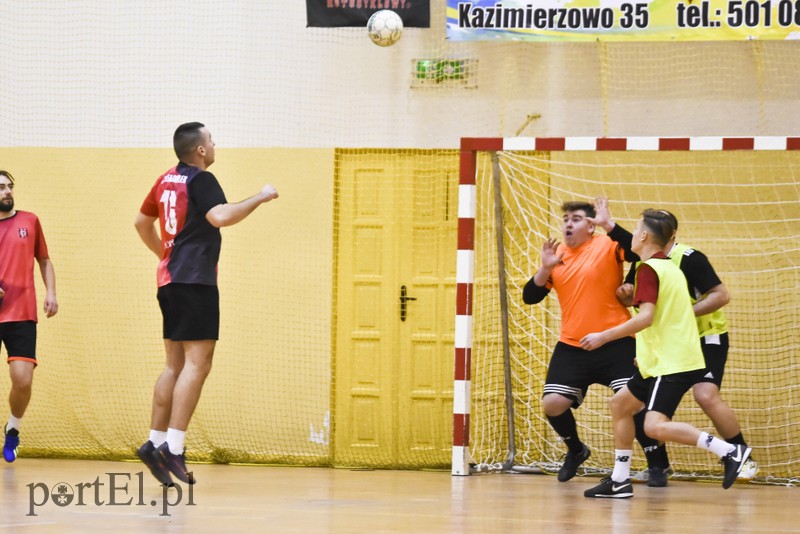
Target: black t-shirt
x,y
180,199
700,275
197,246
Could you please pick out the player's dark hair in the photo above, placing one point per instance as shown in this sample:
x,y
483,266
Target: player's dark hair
x,y
186,139
7,175
661,224
576,205
672,217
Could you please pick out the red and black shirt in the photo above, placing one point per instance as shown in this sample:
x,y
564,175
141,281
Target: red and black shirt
x,y
180,199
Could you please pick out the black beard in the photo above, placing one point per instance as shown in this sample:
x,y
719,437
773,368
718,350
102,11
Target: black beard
x,y
7,206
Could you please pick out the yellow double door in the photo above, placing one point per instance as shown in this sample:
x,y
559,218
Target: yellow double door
x,y
396,223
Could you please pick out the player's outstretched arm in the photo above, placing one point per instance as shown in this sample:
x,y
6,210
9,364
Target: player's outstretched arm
x,y
602,216
535,289
604,220
550,258
637,323
232,213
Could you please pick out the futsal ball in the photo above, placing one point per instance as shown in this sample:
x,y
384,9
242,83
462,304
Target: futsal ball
x,y
385,27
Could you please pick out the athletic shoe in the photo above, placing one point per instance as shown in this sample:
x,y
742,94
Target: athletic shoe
x,y
147,454
733,462
10,445
176,463
749,470
608,489
573,460
644,475
657,477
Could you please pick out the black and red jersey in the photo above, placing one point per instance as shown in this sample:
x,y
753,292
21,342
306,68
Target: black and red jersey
x,y
180,199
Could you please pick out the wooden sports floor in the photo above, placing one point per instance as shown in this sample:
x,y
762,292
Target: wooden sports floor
x,y
97,496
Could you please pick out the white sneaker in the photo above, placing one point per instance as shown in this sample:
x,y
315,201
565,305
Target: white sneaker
x,y
749,470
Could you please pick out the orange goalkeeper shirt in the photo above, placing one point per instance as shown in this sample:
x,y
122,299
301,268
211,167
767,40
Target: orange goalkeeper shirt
x,y
586,282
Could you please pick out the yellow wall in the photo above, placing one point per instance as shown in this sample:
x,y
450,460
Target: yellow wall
x,y
267,398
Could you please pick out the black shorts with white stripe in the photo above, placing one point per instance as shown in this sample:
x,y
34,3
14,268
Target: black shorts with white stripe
x,y
572,369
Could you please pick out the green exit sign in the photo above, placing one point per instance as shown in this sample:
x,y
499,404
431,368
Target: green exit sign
x,y
429,72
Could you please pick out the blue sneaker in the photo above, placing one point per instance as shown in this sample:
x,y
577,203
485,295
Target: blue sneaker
x,y
11,444
176,463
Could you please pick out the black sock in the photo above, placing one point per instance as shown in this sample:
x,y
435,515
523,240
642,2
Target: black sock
x,y
662,458
655,452
565,426
738,439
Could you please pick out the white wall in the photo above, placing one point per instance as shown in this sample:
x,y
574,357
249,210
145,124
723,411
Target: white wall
x,y
125,73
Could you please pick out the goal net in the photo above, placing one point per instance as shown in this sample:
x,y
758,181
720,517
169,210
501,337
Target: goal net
x,y
737,200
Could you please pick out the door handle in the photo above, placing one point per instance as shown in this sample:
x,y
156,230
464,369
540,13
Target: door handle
x,y
404,298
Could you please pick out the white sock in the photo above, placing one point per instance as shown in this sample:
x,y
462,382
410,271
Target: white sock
x,y
622,465
14,422
175,440
157,437
715,445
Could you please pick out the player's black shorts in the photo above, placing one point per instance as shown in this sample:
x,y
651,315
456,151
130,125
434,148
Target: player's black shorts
x,y
663,394
715,352
19,338
190,311
572,369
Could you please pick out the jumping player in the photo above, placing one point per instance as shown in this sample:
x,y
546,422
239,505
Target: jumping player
x,y
190,207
